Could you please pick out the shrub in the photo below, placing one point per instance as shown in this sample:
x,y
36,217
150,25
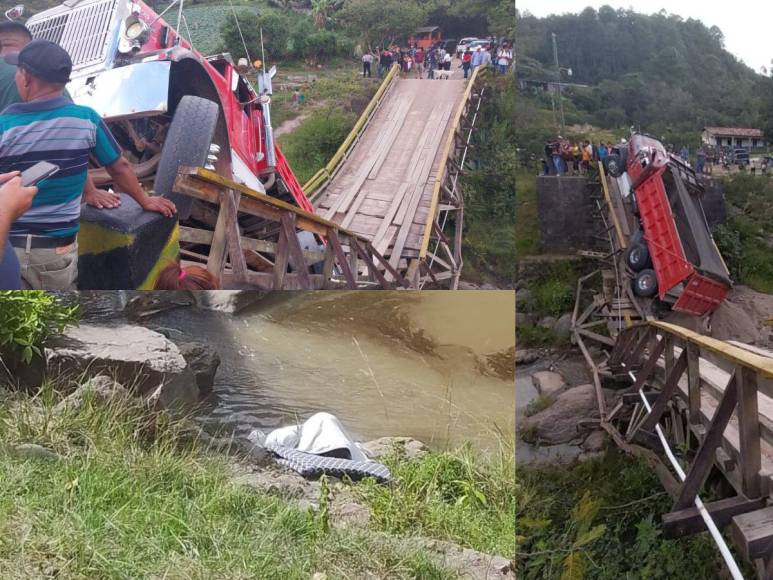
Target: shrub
x,y
28,318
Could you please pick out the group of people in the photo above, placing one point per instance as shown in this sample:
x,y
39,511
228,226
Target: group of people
x,y
413,60
39,122
573,158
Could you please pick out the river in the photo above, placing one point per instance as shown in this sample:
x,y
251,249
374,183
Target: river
x,y
385,363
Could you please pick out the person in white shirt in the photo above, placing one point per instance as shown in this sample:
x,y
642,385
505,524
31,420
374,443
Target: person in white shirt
x,y
504,58
367,60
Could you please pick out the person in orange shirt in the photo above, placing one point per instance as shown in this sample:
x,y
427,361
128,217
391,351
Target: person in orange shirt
x,y
586,157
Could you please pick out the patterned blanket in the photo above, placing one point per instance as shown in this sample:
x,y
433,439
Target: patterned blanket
x,y
310,465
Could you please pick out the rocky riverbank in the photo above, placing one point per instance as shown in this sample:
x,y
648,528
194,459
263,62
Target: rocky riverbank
x,y
160,374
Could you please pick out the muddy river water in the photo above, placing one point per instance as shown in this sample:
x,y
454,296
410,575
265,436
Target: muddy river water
x,y
386,363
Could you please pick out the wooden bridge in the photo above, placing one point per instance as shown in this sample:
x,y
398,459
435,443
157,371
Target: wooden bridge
x,y
395,180
690,405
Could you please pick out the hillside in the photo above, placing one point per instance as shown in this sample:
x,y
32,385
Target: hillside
x,y
665,74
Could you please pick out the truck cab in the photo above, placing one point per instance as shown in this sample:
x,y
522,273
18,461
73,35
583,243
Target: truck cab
x,y
672,254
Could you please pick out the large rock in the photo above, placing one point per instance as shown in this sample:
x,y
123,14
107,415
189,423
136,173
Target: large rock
x,y
203,360
563,326
379,447
142,359
548,383
100,389
230,301
558,423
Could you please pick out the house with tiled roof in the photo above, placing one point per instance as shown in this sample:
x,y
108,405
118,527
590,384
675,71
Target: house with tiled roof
x,y
734,137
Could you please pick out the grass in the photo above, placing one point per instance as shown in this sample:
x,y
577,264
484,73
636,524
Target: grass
x,y
129,499
527,224
457,496
600,519
745,240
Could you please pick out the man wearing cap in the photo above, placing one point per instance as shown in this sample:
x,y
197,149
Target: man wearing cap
x,y
47,126
13,37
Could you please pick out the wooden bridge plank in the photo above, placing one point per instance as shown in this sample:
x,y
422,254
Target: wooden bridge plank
x,y
688,521
753,533
666,393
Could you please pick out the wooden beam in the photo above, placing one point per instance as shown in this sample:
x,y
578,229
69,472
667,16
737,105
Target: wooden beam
x,y
641,344
295,250
668,391
649,366
280,260
700,466
368,259
748,431
204,237
753,533
341,257
327,266
688,521
229,201
693,382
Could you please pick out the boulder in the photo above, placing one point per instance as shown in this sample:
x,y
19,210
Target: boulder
x,y
142,359
203,360
229,301
558,423
563,326
527,356
548,383
469,564
379,447
596,441
101,389
522,319
547,322
34,451
522,296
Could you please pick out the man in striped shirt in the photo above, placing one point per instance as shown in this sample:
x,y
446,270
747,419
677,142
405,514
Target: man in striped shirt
x,y
48,127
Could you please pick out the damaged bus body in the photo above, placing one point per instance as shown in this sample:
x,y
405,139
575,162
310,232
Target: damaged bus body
x,y
673,254
169,107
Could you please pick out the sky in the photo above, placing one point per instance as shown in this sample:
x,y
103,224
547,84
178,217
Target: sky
x,y
745,23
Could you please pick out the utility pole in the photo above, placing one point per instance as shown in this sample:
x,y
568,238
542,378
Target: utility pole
x,y
558,78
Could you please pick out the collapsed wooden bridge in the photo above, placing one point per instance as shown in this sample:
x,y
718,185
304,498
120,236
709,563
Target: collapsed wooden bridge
x,y
690,405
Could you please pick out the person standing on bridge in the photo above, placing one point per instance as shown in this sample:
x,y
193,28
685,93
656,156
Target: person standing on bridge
x,y
48,125
367,61
418,59
504,58
466,62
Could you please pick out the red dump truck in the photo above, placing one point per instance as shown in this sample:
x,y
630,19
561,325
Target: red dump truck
x,y
167,104
672,254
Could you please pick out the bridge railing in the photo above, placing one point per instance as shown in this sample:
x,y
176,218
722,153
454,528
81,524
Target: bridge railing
x,y
445,221
710,391
346,259
313,187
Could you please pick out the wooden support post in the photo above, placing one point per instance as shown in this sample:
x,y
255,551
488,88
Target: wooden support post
x,y
280,260
332,239
668,391
388,267
372,269
748,431
287,221
641,344
669,352
624,344
229,204
649,366
699,468
327,266
693,381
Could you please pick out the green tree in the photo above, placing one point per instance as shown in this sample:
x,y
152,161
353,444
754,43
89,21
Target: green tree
x,y
380,22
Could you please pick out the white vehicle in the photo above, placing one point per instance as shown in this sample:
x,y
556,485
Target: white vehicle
x,y
462,46
477,45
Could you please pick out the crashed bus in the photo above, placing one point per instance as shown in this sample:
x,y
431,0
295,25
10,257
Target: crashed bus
x,y
672,254
169,106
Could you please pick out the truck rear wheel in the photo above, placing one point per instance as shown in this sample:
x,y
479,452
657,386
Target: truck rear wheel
x,y
637,256
187,143
645,284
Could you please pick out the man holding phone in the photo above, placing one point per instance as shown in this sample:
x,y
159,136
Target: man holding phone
x,y
47,126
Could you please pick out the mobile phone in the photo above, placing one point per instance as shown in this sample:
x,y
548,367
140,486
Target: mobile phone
x,y
37,173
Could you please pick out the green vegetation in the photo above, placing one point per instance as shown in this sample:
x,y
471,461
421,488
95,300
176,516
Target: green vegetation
x,y
655,78
489,188
599,519
457,496
311,146
747,238
27,319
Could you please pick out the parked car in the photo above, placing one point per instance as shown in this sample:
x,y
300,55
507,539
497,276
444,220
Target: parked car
x,y
740,156
448,45
672,254
477,45
462,46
